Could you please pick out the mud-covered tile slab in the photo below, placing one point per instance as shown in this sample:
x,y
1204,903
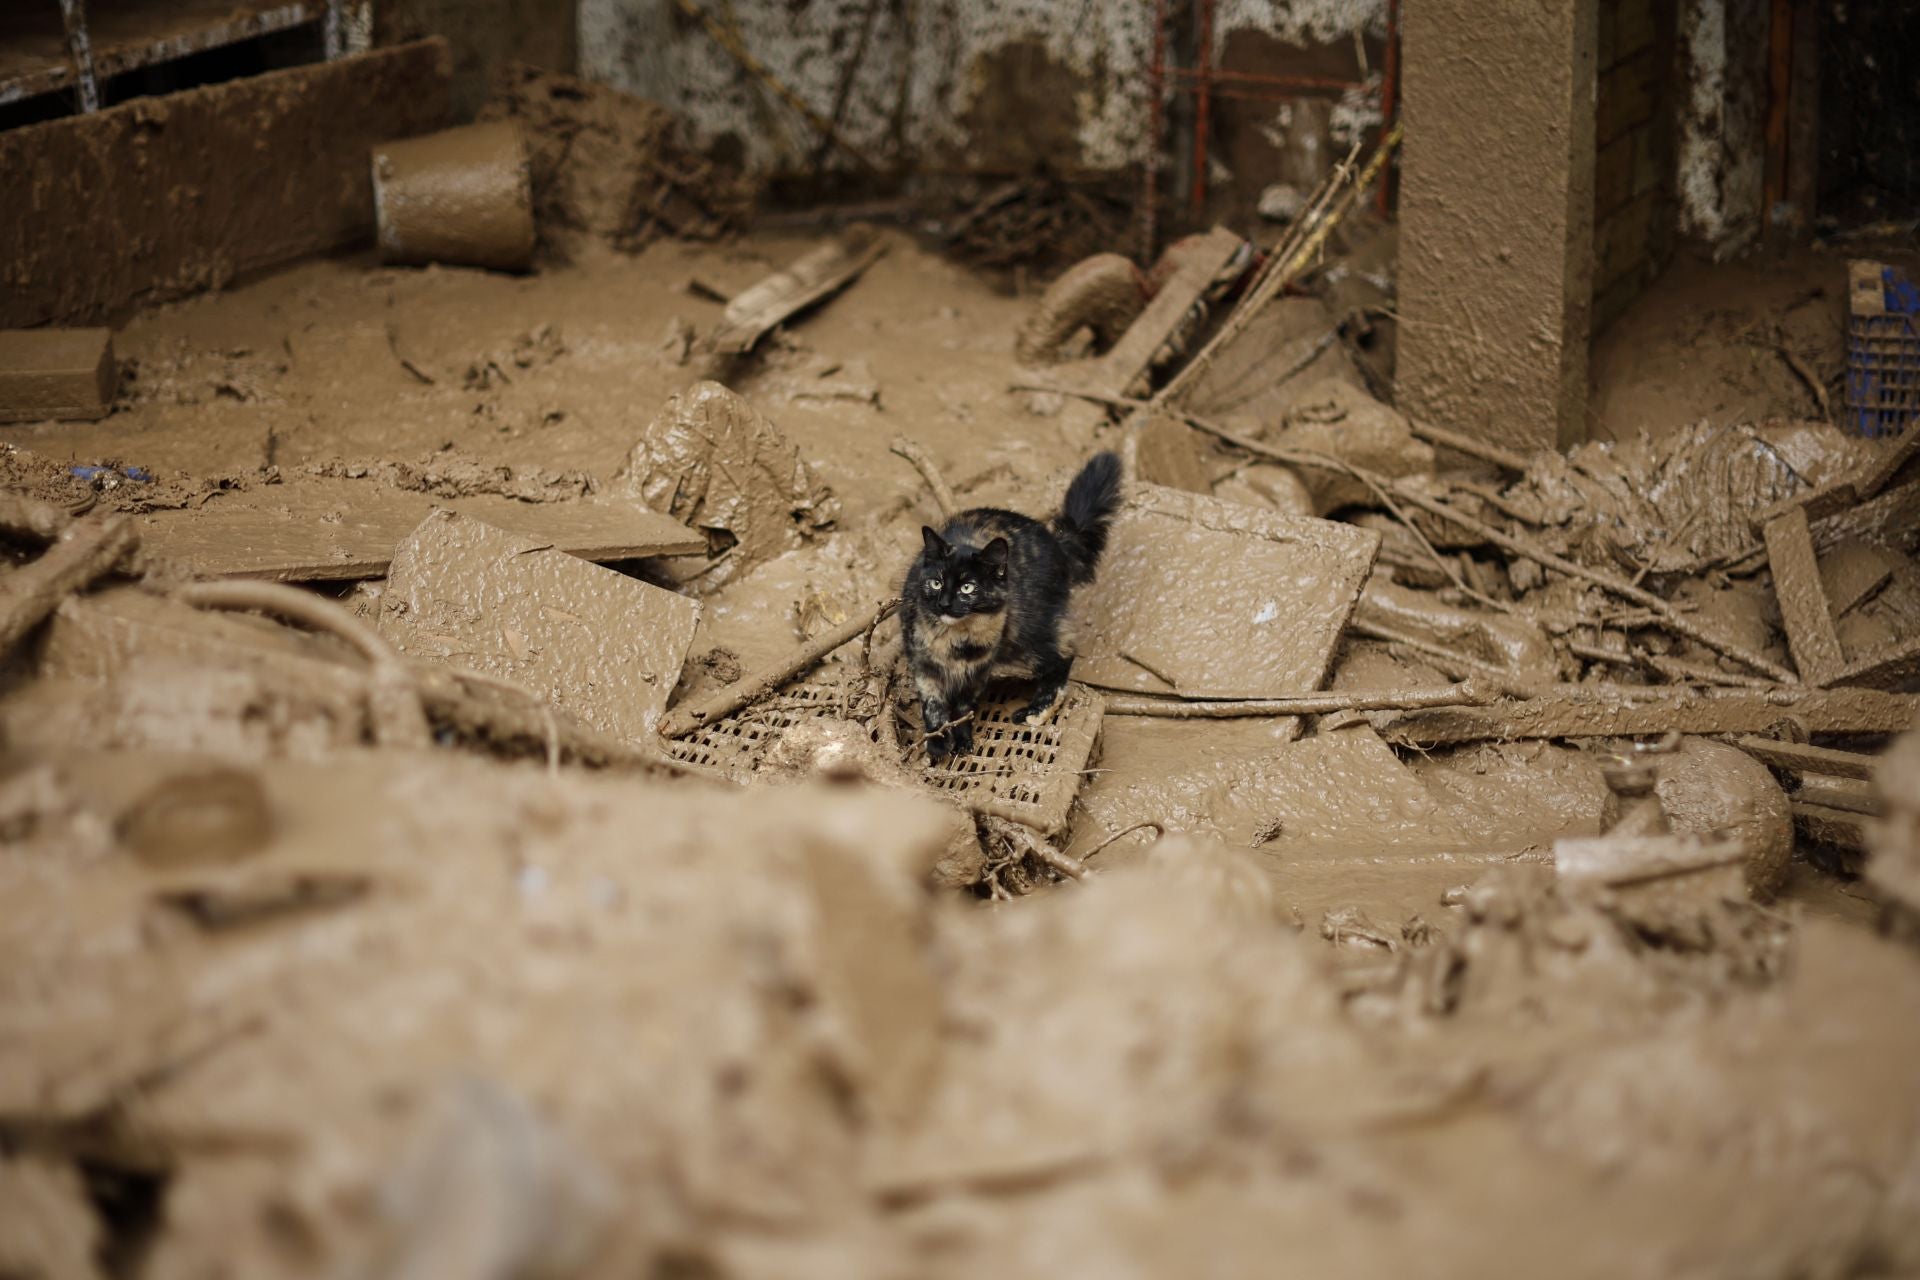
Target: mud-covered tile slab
x,y
606,647
338,530
1217,599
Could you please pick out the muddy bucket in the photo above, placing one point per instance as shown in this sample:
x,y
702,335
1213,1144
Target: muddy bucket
x,y
462,196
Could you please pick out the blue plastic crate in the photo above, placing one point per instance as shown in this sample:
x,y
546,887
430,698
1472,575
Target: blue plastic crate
x,y
1883,350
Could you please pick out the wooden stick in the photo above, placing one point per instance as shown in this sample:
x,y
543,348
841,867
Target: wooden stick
x,y
683,720
942,491
31,519
90,549
1467,693
1505,459
1023,837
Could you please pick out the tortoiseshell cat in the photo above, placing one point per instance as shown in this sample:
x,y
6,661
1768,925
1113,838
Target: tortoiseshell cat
x,y
986,597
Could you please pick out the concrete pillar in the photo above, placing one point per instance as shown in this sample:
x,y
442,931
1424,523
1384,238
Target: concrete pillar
x,y
1496,217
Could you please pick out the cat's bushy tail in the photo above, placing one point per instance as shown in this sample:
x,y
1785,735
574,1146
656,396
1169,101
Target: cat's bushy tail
x,y
1084,517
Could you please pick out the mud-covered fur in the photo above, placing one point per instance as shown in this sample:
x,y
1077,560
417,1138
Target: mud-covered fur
x,y
986,598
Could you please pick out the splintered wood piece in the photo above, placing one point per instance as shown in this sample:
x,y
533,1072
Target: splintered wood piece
x,y
1120,368
1855,795
1892,665
337,530
1852,572
1207,598
1802,758
756,310
1835,827
1803,600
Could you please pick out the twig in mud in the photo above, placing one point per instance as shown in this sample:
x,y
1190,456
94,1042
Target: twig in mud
x,y
393,703
684,719
1023,838
1448,659
1159,832
866,641
1468,693
942,492
930,734
88,550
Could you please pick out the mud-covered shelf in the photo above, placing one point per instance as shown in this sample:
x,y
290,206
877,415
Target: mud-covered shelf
x,y
117,36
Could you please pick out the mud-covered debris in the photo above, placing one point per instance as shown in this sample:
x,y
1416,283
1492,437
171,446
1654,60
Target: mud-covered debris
x,y
613,166
459,196
711,460
1336,418
56,374
1680,502
1104,294
605,647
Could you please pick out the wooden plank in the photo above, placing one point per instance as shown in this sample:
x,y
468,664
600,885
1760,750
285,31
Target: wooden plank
x,y
1803,601
755,311
1803,758
1834,827
1604,711
1117,371
1891,516
1893,665
337,530
106,223
56,373
1852,572
1854,795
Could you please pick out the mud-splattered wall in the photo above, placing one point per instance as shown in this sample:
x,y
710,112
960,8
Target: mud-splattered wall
x,y
970,85
1722,162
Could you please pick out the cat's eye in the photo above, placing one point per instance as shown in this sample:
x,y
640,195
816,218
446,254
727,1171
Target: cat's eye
x,y
966,588
933,584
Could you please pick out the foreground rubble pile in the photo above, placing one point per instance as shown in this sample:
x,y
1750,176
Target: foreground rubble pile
x,y
1416,875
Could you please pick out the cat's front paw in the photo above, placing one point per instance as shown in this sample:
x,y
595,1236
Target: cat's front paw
x,y
959,740
1041,710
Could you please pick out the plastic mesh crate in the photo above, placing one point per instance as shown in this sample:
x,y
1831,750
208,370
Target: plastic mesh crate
x,y
1883,350
1025,772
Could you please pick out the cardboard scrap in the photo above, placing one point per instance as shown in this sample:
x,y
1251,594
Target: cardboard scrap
x,y
1210,598
714,461
321,530
603,646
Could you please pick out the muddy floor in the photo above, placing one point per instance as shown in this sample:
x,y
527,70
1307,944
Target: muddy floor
x,y
275,1001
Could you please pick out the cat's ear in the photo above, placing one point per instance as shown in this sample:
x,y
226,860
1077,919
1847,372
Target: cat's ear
x,y
994,555
936,546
